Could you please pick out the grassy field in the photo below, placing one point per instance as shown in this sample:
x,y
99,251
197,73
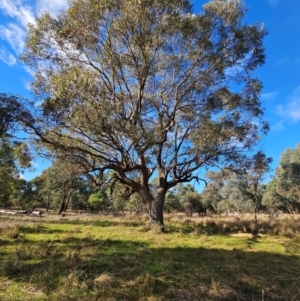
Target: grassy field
x,y
119,258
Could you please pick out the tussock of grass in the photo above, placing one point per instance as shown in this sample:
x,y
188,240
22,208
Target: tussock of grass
x,y
11,232
104,280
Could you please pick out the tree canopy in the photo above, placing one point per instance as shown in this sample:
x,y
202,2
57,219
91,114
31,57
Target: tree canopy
x,y
14,153
283,191
147,88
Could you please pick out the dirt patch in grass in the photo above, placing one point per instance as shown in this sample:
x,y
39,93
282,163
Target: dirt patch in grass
x,y
242,234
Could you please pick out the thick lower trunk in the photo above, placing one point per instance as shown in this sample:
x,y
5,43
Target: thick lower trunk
x,y
155,209
156,213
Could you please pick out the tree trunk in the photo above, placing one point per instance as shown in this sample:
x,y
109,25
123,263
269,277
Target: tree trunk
x,y
48,202
228,210
63,205
68,201
65,189
156,213
255,215
155,208
255,209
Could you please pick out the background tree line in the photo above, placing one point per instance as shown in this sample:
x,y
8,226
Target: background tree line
x,y
63,186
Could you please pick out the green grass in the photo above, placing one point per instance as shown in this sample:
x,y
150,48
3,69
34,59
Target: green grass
x,y
107,258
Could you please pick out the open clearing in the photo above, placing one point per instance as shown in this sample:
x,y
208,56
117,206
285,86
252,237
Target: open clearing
x,y
118,258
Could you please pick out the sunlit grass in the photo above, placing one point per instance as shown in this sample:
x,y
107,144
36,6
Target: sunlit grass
x,y
119,258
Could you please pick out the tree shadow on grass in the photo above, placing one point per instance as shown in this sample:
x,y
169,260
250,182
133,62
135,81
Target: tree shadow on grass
x,y
39,229
99,223
89,269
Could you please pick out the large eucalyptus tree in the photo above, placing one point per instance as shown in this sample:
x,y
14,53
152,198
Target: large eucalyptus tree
x,y
147,87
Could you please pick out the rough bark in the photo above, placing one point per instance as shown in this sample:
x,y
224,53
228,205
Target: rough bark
x,y
156,213
155,207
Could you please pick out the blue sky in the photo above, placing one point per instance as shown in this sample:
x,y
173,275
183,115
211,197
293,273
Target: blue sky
x,y
280,75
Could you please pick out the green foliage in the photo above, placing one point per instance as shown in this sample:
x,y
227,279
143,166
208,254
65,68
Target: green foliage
x,y
134,203
172,202
189,198
62,185
26,194
12,157
98,201
211,196
239,190
80,195
283,192
122,197
11,114
14,154
7,172
271,198
137,87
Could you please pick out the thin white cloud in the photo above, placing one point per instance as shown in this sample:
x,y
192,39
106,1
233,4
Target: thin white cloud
x,y
14,35
28,70
282,61
21,13
291,110
279,126
15,31
7,57
273,2
269,96
18,10
53,6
